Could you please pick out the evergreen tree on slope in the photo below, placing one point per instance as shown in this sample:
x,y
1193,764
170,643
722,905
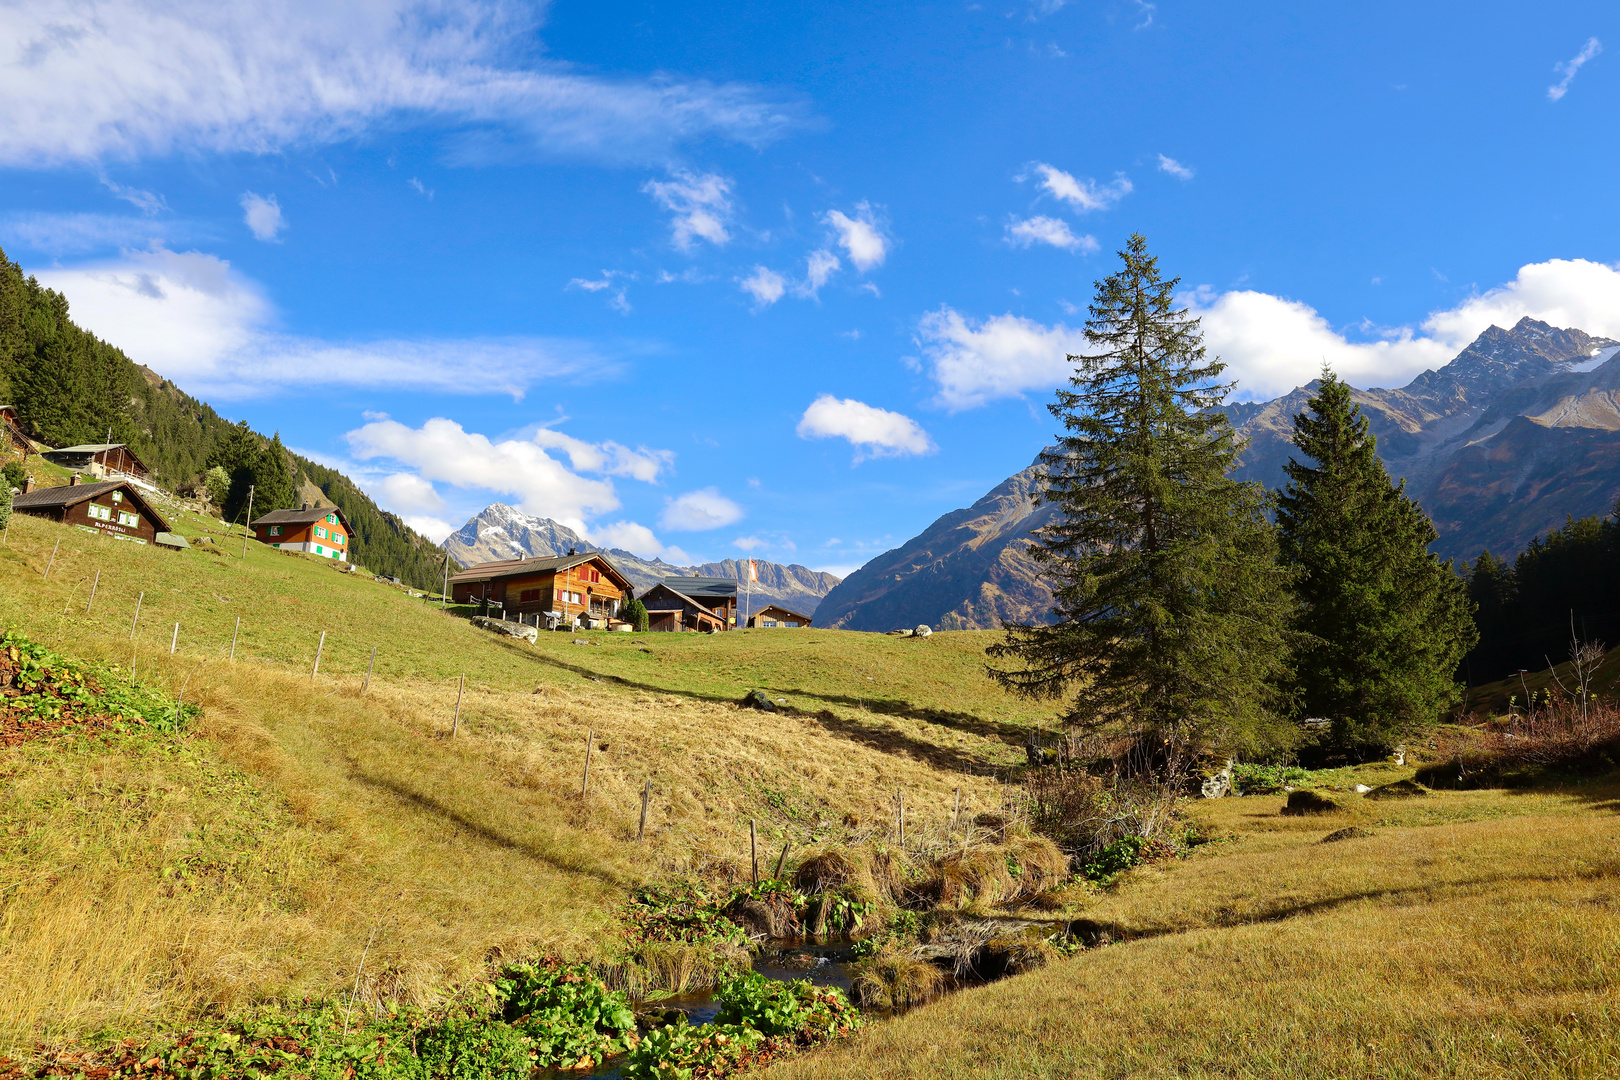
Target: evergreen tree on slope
x,y
1171,607
1384,622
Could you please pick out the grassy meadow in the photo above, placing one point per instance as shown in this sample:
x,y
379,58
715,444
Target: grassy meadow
x,y
257,858
303,826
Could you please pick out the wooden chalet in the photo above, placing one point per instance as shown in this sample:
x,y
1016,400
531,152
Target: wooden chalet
x,y
115,508
669,609
776,615
317,530
13,443
100,460
565,587
717,595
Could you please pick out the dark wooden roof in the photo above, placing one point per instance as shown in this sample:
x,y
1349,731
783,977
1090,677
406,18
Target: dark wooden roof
x,y
308,515
697,606
73,494
718,588
88,451
546,564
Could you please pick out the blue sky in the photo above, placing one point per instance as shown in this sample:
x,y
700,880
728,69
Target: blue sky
x,y
710,279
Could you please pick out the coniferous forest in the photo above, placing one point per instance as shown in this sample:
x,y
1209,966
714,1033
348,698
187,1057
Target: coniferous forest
x,y
71,387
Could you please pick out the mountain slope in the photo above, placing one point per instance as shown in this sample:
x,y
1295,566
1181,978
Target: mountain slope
x,y
501,532
969,570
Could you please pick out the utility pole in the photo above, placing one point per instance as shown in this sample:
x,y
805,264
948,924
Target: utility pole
x,y
248,529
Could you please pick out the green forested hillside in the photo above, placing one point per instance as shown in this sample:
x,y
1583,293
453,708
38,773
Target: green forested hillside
x,y
70,387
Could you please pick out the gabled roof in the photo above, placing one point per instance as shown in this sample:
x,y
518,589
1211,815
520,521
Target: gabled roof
x,y
717,587
779,609
702,608
92,449
74,494
308,515
547,564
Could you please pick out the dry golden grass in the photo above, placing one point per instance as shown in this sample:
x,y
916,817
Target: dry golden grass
x,y
256,858
1480,943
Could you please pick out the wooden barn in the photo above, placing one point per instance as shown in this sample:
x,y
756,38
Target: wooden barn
x,y
668,609
566,586
100,460
775,615
115,508
318,530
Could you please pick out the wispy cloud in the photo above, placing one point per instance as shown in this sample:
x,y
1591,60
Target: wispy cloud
x,y
1569,68
1146,11
149,203
420,188
860,236
132,78
1082,194
765,285
819,266
80,234
700,203
619,300
1047,230
1174,168
262,215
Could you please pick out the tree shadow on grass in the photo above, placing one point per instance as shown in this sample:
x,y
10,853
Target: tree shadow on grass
x,y
995,730
898,743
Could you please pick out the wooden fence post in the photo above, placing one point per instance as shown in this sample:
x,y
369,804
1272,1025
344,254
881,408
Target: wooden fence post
x,y
753,847
781,860
52,560
94,585
320,645
900,799
174,642
584,784
234,634
456,723
956,814
646,794
137,620
366,685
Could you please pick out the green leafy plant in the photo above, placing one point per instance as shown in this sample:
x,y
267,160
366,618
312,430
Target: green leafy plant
x,y
677,1052
54,687
566,1012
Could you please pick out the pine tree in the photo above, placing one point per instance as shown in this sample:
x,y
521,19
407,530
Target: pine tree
x,y
1170,605
1384,623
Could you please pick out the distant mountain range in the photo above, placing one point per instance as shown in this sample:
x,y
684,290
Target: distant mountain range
x,y
501,532
1519,431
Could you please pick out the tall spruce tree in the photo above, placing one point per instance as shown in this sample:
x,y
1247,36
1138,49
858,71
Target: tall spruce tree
x,y
1171,607
1384,623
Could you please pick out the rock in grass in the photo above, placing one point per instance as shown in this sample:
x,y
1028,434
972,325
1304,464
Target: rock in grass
x,y
758,699
1354,832
922,631
1305,801
516,630
1400,789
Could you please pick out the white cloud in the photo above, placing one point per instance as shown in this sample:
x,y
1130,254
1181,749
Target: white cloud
x,y
632,537
872,431
748,543
147,202
1271,344
860,236
1046,230
765,285
699,511
1174,168
126,78
420,188
1083,195
701,205
819,266
77,234
976,361
435,529
609,458
441,450
619,301
263,216
1146,10
408,493
1569,68
199,323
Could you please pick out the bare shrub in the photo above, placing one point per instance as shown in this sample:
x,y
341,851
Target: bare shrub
x,y
1084,814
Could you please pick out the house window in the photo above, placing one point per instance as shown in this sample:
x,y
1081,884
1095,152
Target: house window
x,y
320,533
126,518
275,530
118,496
338,538
100,513
331,519
529,596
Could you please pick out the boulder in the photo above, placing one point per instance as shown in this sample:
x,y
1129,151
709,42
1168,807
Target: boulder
x,y
510,629
922,631
1219,785
1305,801
758,699
1361,789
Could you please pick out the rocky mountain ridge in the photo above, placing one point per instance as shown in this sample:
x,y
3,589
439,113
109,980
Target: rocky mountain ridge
x,y
1518,431
502,532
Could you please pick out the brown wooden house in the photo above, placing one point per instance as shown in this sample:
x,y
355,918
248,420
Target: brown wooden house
x,y
317,530
100,460
717,595
115,509
776,615
566,586
671,610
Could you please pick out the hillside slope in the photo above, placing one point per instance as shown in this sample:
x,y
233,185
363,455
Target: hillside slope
x,y
969,570
501,532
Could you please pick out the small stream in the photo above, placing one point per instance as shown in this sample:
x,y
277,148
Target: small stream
x,y
823,965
